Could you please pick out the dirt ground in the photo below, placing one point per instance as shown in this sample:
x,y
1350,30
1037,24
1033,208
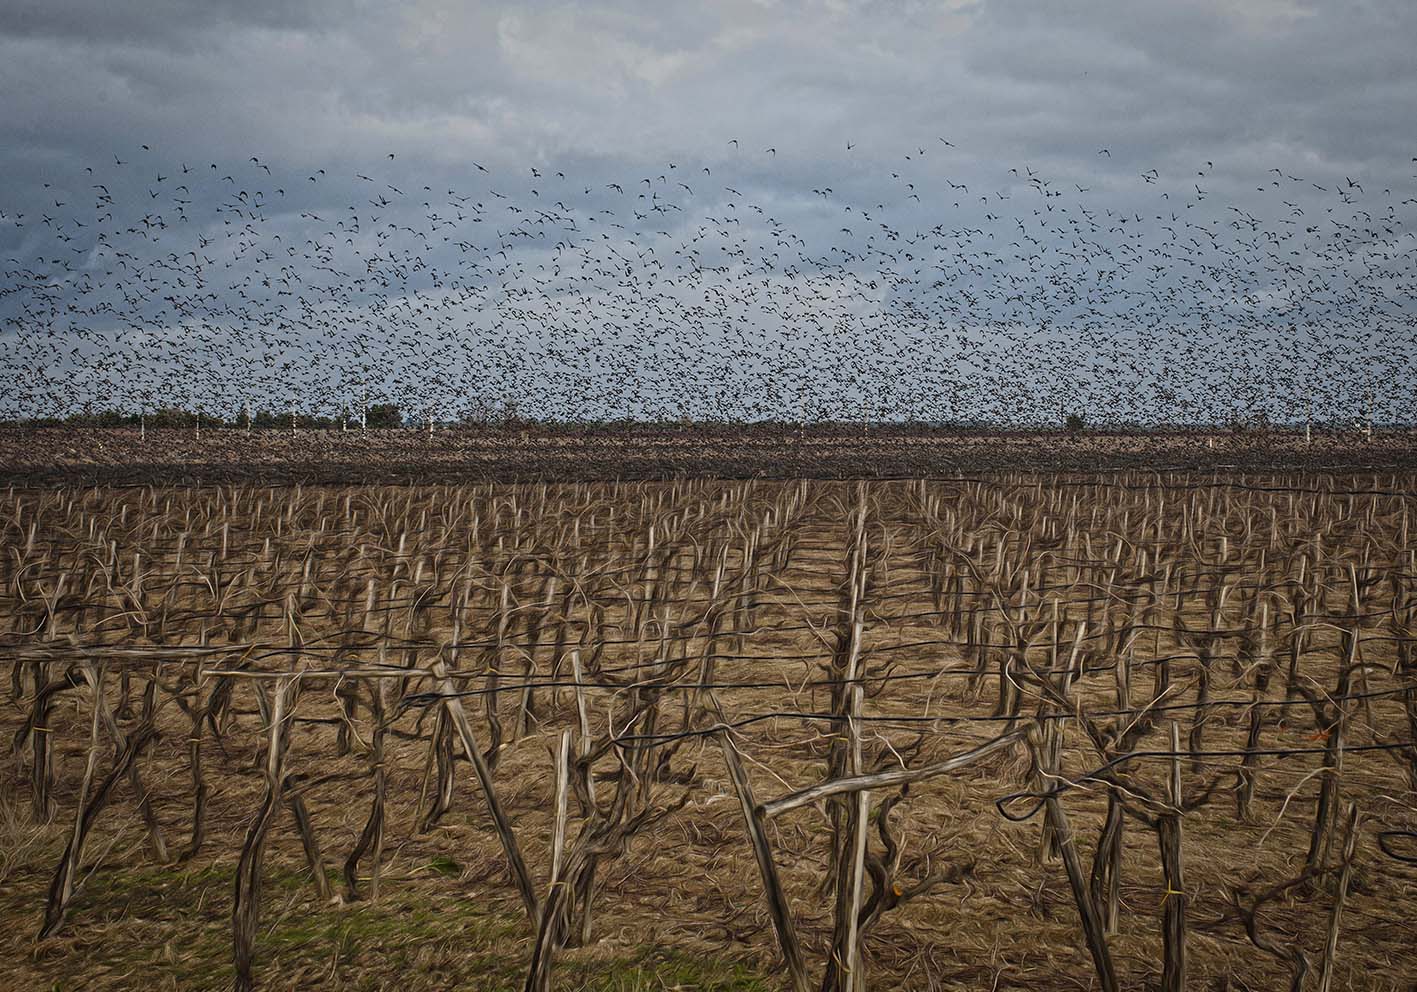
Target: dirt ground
x,y
119,456
683,907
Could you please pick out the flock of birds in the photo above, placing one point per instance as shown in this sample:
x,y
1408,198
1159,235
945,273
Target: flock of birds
x,y
738,290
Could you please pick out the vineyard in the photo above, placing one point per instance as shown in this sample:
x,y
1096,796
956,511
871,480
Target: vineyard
x,y
1122,730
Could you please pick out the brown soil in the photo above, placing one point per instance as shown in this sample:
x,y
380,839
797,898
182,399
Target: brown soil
x,y
117,456
683,906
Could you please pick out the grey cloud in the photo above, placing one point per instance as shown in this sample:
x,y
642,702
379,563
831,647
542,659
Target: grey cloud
x,y
612,92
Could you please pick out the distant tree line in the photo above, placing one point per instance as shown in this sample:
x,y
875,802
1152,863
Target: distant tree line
x,y
382,416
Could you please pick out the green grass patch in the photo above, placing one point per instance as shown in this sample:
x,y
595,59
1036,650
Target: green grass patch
x,y
170,928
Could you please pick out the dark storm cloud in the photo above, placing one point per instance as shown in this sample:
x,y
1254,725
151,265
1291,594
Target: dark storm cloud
x,y
160,23
613,92
1334,83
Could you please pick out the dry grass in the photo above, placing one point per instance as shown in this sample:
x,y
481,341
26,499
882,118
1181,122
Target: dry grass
x,y
682,907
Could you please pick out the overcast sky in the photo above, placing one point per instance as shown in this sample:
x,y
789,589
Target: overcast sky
x,y
1210,94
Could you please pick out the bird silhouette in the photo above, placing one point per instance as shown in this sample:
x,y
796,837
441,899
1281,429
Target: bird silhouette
x,y
993,295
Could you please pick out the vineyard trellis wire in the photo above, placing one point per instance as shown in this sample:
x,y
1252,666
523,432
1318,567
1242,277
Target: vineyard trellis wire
x,y
636,628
